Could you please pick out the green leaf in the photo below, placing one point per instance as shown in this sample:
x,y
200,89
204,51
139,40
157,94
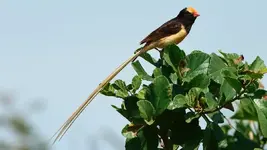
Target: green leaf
x,y
252,87
147,111
234,83
213,135
121,94
231,78
193,96
258,94
136,82
147,139
133,144
197,63
161,94
130,110
157,72
216,117
255,75
241,142
123,112
215,68
174,78
192,145
226,128
230,58
258,66
227,90
179,101
108,90
149,58
246,110
230,72
210,101
141,71
261,108
202,81
191,116
119,84
244,77
121,88
130,104
173,56
214,88
184,133
144,93
175,147
129,87
129,134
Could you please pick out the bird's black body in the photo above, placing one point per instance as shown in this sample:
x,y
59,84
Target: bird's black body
x,y
183,21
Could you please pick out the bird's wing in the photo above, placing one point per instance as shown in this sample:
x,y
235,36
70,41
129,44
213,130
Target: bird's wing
x,y
171,27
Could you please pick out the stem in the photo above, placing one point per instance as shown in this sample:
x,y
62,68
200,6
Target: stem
x,y
203,115
218,108
228,121
206,118
236,98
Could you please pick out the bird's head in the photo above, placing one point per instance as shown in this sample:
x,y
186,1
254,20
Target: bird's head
x,y
188,12
192,11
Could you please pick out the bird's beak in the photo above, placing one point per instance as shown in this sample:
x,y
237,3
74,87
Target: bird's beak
x,y
196,14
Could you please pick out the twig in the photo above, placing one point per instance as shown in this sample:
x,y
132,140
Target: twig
x,y
206,118
203,115
230,124
236,98
222,106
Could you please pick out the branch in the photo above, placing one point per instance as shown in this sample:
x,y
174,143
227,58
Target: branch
x,y
222,106
236,98
228,121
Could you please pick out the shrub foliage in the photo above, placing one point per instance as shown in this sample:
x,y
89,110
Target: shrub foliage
x,y
164,108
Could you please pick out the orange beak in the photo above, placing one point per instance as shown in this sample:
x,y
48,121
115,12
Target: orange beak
x,y
196,14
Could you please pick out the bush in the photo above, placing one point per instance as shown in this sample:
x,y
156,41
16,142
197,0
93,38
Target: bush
x,y
164,108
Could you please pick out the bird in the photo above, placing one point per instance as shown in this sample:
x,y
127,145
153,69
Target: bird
x,y
171,32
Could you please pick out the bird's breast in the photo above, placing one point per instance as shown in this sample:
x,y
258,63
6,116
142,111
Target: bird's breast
x,y
172,39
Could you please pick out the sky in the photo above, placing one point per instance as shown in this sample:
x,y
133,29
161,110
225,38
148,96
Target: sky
x,y
59,51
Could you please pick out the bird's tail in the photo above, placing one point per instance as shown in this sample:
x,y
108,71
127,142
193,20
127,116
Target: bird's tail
x,y
64,128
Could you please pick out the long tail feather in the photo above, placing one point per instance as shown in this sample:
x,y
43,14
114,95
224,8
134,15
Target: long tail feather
x,y
64,128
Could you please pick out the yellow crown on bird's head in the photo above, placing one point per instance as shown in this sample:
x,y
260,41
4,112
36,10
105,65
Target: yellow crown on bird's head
x,y
193,11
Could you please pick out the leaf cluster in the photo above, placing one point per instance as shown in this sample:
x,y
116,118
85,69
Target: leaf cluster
x,y
164,107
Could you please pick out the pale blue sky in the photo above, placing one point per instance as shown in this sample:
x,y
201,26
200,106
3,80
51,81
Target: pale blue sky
x,y
61,50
